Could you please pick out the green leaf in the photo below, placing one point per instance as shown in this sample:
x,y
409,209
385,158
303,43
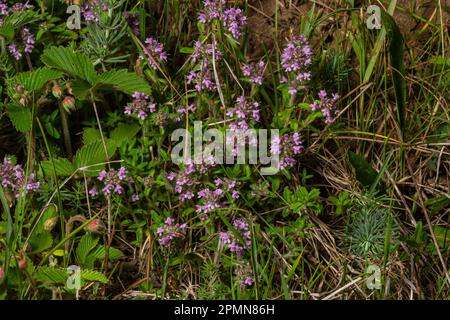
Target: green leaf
x,y
51,275
35,80
122,80
20,117
124,132
87,243
365,173
7,31
91,135
442,236
396,50
92,155
80,89
92,275
40,242
99,254
63,167
19,19
75,64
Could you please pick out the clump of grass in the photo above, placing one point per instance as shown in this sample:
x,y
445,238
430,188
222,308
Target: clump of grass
x,y
369,226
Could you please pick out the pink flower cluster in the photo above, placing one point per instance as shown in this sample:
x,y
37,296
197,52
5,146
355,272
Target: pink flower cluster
x,y
140,106
170,231
295,59
187,178
287,147
156,50
181,111
212,199
13,178
112,182
232,242
327,106
26,44
243,113
244,273
202,76
254,71
92,9
233,19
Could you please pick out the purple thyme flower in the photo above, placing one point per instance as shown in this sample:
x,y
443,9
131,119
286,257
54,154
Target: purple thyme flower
x,y
140,106
156,50
295,59
327,106
25,44
202,76
202,50
135,197
243,113
185,179
182,111
93,9
19,7
210,200
170,231
12,177
93,192
232,242
13,50
133,21
211,10
112,181
254,71
244,274
28,40
287,147
234,20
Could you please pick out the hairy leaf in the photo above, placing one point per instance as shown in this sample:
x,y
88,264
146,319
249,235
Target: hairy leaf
x,y
35,80
128,82
75,64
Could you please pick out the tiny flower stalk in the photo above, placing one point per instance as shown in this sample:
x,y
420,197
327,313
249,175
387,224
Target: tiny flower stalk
x,y
63,107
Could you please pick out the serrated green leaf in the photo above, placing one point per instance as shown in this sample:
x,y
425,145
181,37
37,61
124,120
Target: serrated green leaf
x,y
91,135
40,242
80,89
19,19
124,132
122,80
63,167
20,117
7,31
92,275
75,64
35,80
93,155
87,243
51,275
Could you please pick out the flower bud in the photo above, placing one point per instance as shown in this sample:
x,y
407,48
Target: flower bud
x,y
96,226
22,264
20,89
56,90
23,101
50,223
69,104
